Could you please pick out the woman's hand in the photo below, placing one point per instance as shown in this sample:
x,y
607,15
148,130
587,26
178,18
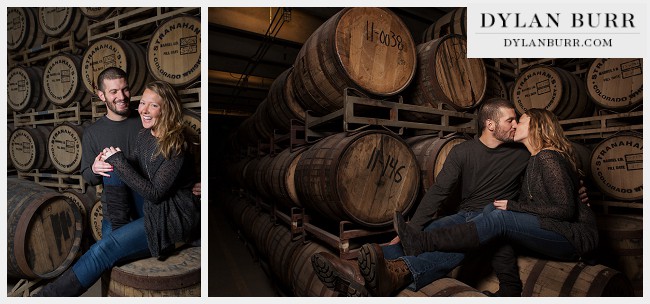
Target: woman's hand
x,y
108,152
501,204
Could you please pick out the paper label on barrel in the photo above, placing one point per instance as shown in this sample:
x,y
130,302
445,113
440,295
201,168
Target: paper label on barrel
x,y
617,167
99,56
174,52
64,148
61,80
616,83
538,88
16,28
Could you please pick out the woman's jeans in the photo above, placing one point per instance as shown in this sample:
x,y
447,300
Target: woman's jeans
x,y
523,229
516,227
430,266
127,242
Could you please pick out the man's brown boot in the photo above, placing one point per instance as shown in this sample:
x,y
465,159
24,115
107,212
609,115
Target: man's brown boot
x,y
383,277
342,276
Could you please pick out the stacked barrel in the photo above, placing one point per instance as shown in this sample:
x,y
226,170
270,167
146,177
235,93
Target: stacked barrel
x,y
55,55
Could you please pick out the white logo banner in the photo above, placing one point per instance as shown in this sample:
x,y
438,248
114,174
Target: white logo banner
x,y
556,31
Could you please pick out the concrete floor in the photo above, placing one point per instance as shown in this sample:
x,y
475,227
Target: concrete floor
x,y
233,271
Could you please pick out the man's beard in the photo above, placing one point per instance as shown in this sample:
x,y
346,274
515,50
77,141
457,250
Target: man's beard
x,y
503,135
111,105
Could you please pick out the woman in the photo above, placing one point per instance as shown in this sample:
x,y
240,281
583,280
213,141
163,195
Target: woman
x,y
171,212
548,217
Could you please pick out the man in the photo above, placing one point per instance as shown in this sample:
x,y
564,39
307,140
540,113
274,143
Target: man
x,y
118,128
486,168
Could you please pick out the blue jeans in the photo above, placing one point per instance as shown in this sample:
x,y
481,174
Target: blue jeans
x,y
430,266
523,229
127,242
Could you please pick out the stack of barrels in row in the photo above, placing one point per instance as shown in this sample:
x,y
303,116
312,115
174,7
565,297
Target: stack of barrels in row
x,y
364,176
55,56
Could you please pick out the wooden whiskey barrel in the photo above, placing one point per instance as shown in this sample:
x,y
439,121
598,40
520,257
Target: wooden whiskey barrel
x,y
84,203
365,48
495,87
263,125
305,282
550,88
174,51
10,129
250,169
621,246
95,221
616,83
261,177
282,105
246,132
446,75
43,231
108,52
262,226
362,177
64,146
431,152
281,250
177,276
247,218
96,13
25,89
445,287
62,82
281,182
543,278
617,166
192,123
58,21
23,31
28,148
454,22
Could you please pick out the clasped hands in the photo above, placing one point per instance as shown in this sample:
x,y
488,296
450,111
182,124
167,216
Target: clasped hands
x,y
100,166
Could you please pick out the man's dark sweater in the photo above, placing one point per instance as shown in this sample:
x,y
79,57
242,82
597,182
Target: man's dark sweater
x,y
106,133
483,174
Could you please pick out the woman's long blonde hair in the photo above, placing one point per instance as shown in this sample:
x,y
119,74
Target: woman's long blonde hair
x,y
545,131
169,126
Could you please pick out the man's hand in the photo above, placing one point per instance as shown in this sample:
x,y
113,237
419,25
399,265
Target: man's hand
x,y
100,167
196,190
501,204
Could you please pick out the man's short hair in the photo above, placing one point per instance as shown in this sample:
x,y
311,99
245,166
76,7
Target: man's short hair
x,y
109,73
490,110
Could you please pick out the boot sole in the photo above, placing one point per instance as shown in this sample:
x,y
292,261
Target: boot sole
x,y
368,267
334,280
